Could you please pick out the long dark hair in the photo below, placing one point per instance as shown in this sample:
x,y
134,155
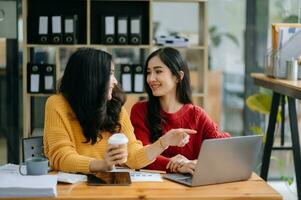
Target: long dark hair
x,y
176,63
85,85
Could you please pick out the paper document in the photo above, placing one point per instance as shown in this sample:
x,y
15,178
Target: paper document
x,y
140,176
145,177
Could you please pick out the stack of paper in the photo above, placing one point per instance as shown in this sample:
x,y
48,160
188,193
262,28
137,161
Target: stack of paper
x,y
12,185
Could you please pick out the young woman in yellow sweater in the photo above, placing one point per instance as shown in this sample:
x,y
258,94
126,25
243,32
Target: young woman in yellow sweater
x,y
87,110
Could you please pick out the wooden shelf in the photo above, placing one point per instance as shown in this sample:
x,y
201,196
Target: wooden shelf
x,y
89,13
111,46
86,45
121,46
180,1
39,95
55,46
197,47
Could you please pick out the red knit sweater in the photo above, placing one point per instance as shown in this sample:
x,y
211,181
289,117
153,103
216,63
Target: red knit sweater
x,y
189,116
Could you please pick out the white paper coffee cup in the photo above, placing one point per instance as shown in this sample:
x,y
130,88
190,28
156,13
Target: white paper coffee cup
x,y
121,140
118,138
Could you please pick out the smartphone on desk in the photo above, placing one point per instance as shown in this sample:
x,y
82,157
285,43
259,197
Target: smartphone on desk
x,y
109,178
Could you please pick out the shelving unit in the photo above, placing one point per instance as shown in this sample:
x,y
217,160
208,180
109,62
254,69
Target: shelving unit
x,y
88,12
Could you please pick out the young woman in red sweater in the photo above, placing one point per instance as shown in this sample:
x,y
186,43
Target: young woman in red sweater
x,y
169,106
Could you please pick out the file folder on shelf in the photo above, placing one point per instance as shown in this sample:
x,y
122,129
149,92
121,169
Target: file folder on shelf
x,y
56,24
138,78
43,36
108,30
33,78
49,78
122,30
135,30
70,29
126,78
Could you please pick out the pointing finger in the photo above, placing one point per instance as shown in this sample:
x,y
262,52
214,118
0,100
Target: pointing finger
x,y
188,131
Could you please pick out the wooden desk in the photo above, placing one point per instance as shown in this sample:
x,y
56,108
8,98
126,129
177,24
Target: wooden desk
x,y
291,90
253,189
281,86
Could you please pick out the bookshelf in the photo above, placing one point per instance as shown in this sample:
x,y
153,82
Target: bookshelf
x,y
89,35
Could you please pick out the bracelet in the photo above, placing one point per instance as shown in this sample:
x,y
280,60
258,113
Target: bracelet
x,y
161,145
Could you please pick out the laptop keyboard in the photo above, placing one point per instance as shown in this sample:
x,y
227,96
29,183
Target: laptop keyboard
x,y
187,178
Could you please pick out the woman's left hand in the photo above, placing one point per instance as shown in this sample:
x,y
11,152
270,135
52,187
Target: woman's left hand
x,y
175,162
187,167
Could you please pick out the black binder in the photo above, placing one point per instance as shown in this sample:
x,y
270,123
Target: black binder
x,y
48,78
122,30
138,80
43,30
70,29
56,28
108,30
34,73
126,77
135,30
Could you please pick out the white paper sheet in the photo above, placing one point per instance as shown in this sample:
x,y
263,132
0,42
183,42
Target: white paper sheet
x,y
145,177
140,176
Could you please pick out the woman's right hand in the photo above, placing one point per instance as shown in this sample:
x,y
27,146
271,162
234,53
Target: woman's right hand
x,y
177,137
115,154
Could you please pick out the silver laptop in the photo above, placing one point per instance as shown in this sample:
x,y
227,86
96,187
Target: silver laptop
x,y
223,160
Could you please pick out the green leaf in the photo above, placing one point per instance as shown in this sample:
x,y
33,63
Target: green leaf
x,y
290,181
291,19
216,41
232,38
212,29
275,159
287,179
257,130
261,103
216,37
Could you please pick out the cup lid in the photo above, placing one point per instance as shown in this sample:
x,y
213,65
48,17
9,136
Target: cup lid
x,y
118,138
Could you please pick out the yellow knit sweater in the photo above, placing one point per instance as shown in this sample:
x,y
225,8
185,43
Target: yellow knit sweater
x,y
63,140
